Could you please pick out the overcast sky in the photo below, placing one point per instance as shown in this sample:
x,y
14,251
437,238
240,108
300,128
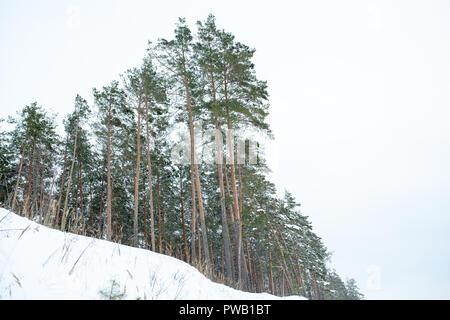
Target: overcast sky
x,y
360,109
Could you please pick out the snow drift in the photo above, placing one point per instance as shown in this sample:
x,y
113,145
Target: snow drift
x,y
37,262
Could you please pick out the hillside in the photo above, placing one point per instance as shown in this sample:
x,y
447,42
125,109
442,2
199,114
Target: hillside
x,y
37,262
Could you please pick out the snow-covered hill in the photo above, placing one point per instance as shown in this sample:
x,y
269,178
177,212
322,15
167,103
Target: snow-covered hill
x,y
37,262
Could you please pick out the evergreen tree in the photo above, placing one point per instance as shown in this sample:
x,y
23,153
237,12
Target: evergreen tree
x,y
7,170
35,135
114,116
176,56
353,290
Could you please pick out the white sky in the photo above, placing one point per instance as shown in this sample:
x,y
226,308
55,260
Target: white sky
x,y
360,97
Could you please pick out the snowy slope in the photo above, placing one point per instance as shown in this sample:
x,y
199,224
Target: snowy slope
x,y
37,262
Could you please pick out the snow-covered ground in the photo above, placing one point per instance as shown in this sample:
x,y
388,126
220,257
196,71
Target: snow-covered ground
x,y
37,262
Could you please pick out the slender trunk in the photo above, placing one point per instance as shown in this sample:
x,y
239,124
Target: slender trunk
x,y
75,228
284,265
163,234
116,227
159,213
71,170
61,187
19,172
234,258
136,180
145,216
244,270
229,196
258,275
299,273
149,173
50,204
271,286
41,172
41,191
211,253
108,181
81,199
200,207
223,262
237,229
285,286
91,214
100,213
30,168
249,264
182,220
194,217
225,231
194,162
241,186
199,246
316,291
289,256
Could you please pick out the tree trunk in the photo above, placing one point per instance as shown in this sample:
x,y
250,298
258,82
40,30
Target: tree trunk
x,y
212,266
19,172
71,170
229,196
237,229
234,258
136,180
194,162
100,213
149,173
145,216
299,273
225,231
219,151
108,181
116,227
295,275
61,188
199,246
163,234
271,285
30,168
41,190
250,280
241,186
159,214
194,217
186,255
91,214
316,291
284,265
81,199
75,228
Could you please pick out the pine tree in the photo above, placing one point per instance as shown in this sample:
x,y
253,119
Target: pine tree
x,y
35,133
208,56
112,109
154,88
7,170
74,134
176,56
353,290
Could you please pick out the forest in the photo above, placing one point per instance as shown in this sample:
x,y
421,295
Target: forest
x,y
113,171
